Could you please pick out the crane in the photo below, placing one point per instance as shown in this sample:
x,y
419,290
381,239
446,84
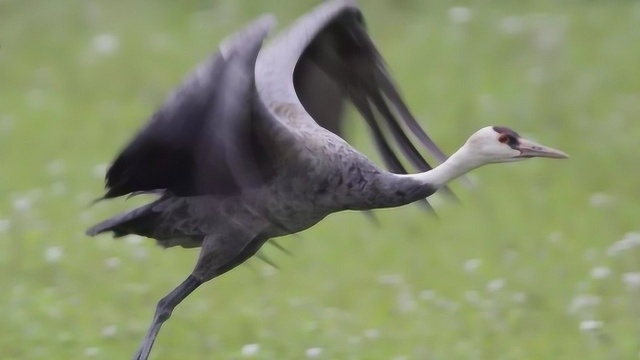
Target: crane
x,y
249,147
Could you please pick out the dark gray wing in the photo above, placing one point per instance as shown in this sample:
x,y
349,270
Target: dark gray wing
x,y
340,62
322,97
199,141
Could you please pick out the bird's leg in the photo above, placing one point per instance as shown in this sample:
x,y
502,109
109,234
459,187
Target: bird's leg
x,y
163,312
218,255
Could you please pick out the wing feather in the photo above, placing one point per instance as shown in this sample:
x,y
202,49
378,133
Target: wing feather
x,y
334,39
199,141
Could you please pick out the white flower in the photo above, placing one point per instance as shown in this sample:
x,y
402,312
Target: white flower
x,y
6,123
112,262
36,98
599,200
495,285
536,75
5,225
590,254
549,32
58,188
632,280
100,170
55,168
555,237
450,306
268,271
250,350
600,272
140,253
582,302
391,279
133,239
64,337
372,333
105,44
84,197
460,14
137,288
405,302
519,297
427,294
109,331
53,254
629,241
582,286
590,325
313,353
512,25
472,265
472,296
311,326
91,351
22,204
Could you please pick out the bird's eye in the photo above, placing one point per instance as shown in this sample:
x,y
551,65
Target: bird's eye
x,y
504,138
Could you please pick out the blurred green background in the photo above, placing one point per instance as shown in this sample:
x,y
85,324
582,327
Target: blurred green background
x,y
540,261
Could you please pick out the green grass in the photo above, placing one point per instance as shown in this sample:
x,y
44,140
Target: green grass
x,y
563,72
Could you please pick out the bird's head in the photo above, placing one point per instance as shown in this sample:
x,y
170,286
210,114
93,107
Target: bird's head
x,y
495,144
492,144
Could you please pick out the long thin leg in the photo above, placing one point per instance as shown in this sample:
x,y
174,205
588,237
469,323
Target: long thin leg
x,y
163,312
218,255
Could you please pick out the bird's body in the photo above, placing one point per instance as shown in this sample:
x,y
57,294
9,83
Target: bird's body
x,y
296,171
250,147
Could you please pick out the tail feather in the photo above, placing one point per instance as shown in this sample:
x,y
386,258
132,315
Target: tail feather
x,y
139,221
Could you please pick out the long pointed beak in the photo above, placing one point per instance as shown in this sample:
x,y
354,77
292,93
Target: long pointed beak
x,y
529,149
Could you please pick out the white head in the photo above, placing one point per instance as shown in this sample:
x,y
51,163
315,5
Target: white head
x,y
495,144
492,144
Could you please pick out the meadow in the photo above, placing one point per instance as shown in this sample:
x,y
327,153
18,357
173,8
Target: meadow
x,y
540,260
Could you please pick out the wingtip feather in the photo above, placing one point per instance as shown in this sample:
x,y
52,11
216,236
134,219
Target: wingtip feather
x,y
258,28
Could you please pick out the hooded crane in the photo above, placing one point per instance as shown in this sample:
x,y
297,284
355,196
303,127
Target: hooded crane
x,y
248,148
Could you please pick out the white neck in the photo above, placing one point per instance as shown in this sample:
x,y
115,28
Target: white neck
x,y
461,162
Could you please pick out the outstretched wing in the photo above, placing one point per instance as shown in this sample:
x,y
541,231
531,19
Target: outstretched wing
x,y
333,60
199,141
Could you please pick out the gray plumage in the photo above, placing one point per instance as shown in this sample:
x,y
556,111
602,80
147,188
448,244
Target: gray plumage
x,y
249,148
